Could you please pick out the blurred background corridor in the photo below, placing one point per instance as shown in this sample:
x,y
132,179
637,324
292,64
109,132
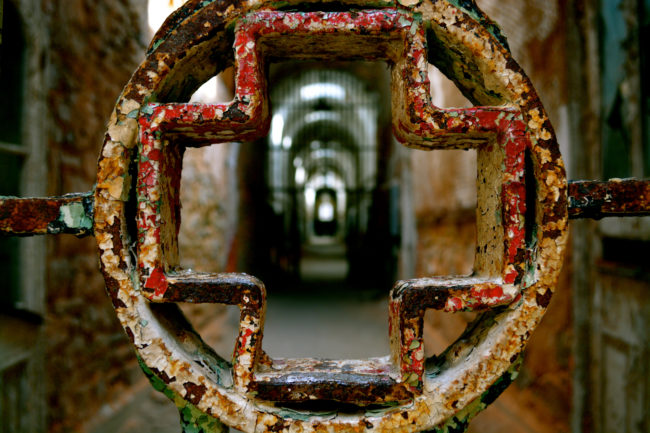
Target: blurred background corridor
x,y
328,210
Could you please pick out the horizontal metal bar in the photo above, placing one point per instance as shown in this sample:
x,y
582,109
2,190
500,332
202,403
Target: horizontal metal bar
x,y
13,149
199,288
70,213
358,382
612,198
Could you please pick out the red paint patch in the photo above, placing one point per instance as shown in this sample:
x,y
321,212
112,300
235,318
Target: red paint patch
x,y
494,292
157,281
510,277
243,341
154,154
455,304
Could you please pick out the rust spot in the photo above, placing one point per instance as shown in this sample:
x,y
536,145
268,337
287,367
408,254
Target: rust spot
x,y
194,392
112,288
163,376
129,333
553,234
627,197
545,299
278,426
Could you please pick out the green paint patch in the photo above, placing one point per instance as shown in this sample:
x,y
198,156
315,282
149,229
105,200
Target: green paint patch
x,y
192,419
403,21
156,44
389,406
304,416
460,422
74,216
147,109
195,421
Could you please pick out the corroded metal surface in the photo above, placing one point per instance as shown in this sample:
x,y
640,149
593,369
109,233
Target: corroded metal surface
x,y
499,134
522,215
517,260
616,197
71,214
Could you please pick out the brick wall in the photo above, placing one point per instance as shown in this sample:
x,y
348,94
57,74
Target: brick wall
x,y
94,48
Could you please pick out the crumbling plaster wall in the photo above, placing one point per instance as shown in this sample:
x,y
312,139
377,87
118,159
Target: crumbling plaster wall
x,y
93,49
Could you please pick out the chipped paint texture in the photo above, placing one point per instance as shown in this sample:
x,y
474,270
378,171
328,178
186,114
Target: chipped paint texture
x,y
529,253
499,134
71,213
521,215
617,197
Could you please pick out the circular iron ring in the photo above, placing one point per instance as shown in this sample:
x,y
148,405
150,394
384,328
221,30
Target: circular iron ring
x,y
190,48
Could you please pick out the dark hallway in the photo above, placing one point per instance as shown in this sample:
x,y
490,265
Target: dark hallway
x,y
331,259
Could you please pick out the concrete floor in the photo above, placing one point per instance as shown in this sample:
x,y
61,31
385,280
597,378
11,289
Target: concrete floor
x,y
324,317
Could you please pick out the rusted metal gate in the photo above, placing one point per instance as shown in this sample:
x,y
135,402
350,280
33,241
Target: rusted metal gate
x,y
524,204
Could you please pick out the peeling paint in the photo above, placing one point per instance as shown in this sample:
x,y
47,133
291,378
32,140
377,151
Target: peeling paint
x,y
73,215
616,197
522,215
70,214
518,264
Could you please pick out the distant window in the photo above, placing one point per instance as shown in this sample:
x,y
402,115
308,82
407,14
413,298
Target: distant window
x,y
12,150
624,92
